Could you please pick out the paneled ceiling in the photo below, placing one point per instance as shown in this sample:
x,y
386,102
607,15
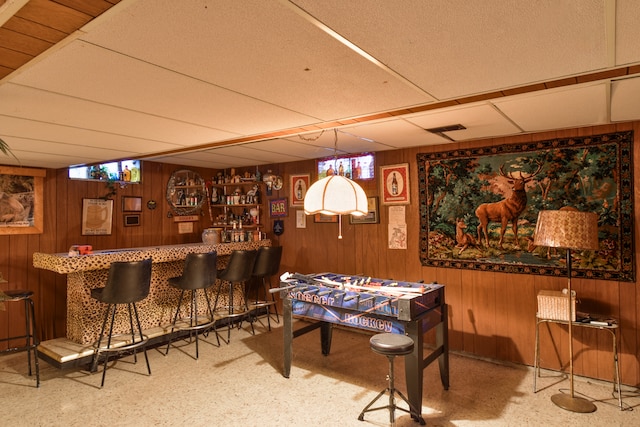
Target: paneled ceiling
x,y
232,83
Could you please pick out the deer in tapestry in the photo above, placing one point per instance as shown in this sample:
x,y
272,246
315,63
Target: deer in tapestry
x,y
463,239
506,210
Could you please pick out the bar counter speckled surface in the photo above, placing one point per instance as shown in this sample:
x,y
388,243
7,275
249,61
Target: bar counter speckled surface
x,y
85,272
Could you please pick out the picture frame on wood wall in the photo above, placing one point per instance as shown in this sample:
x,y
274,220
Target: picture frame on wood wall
x,y
394,184
21,200
97,217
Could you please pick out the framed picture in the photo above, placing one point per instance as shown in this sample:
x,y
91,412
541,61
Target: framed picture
x,y
131,204
301,219
21,194
325,218
278,208
371,217
298,186
97,215
394,184
132,220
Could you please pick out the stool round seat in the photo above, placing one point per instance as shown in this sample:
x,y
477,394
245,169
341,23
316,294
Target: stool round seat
x,y
17,294
30,333
391,344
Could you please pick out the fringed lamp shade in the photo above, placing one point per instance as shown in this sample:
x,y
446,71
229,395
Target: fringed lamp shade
x,y
335,195
567,229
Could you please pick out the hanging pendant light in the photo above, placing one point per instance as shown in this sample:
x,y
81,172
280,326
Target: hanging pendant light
x,y
335,195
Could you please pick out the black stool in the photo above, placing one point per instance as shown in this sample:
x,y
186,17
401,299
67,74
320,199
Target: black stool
x,y
267,264
128,282
392,345
199,273
30,336
239,270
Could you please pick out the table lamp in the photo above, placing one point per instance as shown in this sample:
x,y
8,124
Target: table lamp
x,y
570,229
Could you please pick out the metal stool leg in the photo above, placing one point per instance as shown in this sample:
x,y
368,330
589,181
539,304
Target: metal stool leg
x,y
392,401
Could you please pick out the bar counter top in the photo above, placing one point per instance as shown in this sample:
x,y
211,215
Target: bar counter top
x,y
64,264
86,272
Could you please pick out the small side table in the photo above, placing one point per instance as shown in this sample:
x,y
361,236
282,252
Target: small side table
x,y
612,328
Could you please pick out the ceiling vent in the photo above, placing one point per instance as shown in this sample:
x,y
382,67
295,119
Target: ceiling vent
x,y
440,131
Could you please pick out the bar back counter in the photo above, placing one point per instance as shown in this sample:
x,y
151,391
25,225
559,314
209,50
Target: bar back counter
x,y
85,272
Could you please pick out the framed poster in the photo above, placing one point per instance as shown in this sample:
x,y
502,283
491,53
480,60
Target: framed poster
x,y
298,186
21,194
371,217
97,215
394,184
278,208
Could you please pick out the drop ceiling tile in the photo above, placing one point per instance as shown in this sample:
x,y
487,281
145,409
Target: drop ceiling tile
x,y
99,75
627,36
75,137
259,49
457,48
481,120
558,109
625,100
47,107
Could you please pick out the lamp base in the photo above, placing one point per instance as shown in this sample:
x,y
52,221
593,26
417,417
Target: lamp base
x,y
572,403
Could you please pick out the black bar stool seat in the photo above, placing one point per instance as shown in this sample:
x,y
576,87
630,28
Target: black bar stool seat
x,y
30,336
239,269
199,274
267,265
128,283
392,345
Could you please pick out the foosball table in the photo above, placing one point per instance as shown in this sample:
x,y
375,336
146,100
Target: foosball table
x,y
374,305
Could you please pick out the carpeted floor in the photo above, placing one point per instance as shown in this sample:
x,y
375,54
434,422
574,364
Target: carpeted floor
x,y
241,384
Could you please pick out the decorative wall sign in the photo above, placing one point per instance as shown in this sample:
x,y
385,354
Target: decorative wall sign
x,y
97,215
298,186
394,184
278,208
21,208
479,207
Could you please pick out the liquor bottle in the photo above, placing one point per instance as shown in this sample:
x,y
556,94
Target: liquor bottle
x,y
394,185
299,190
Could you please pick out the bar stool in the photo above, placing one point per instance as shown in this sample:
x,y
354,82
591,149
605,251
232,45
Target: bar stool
x,y
30,335
199,274
392,345
239,269
128,282
267,264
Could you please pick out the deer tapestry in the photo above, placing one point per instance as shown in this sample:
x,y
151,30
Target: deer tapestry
x,y
478,207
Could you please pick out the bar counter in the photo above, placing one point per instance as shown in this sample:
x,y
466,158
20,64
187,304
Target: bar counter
x,y
85,272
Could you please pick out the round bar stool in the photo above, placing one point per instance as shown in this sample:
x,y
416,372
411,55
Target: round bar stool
x,y
392,345
239,269
199,274
30,335
267,265
128,282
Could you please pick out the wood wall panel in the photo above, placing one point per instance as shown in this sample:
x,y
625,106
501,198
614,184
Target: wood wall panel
x,y
490,314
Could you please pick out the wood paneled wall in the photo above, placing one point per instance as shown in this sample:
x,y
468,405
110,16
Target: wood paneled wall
x,y
491,315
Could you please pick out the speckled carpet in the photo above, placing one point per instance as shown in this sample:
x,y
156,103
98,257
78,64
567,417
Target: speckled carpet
x,y
241,384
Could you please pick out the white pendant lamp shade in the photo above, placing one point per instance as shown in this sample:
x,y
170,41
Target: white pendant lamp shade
x,y
335,195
